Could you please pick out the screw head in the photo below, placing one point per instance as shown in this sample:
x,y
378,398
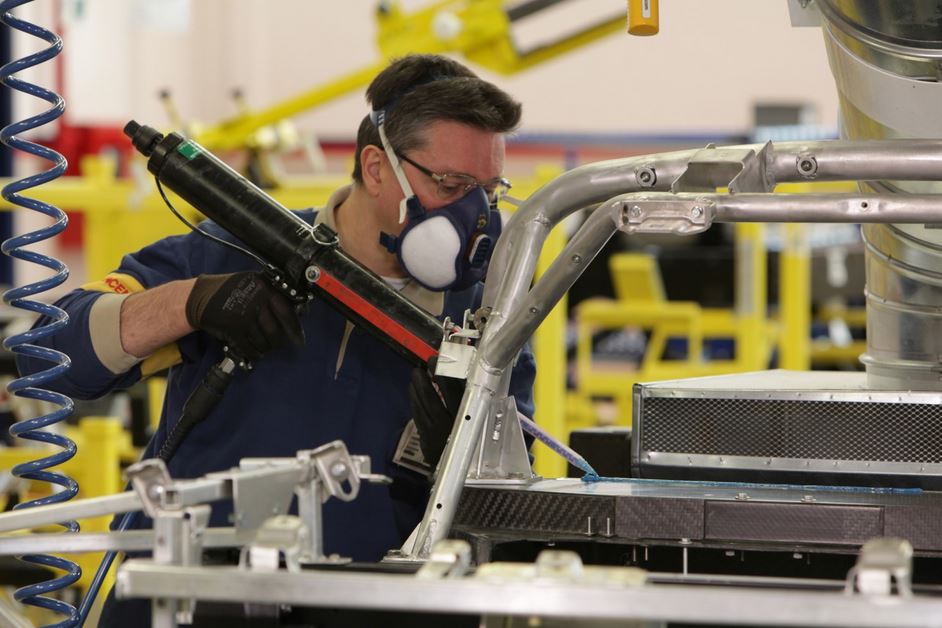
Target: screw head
x,y
312,273
646,177
338,469
635,211
696,212
807,166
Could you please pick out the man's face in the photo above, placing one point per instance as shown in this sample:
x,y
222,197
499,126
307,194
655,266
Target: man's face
x,y
450,148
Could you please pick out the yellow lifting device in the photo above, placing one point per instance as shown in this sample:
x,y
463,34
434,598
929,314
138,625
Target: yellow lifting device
x,y
478,30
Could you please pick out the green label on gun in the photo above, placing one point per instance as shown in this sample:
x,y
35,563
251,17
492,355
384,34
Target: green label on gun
x,y
189,149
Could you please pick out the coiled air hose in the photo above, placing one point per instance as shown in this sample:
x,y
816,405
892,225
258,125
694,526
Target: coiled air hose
x,y
30,387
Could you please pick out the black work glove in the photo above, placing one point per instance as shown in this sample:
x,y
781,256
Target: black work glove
x,y
245,312
434,404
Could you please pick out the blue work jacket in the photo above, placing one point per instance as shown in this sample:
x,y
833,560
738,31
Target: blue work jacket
x,y
295,398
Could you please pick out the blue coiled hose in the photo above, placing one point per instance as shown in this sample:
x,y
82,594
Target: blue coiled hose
x,y
22,344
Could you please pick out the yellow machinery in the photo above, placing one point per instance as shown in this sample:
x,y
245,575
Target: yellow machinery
x,y
640,303
478,30
102,445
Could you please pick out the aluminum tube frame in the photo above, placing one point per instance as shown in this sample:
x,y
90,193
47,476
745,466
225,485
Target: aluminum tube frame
x,y
481,389
669,602
557,280
191,492
829,208
843,160
520,244
526,231
83,542
518,249
712,208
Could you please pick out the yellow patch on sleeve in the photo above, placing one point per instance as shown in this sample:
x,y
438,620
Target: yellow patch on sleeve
x,y
119,283
163,358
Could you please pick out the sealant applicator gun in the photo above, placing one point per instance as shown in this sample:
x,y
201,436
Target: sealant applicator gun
x,y
304,261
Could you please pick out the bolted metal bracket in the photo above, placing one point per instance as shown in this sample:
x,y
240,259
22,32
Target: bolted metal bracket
x,y
502,452
331,472
152,483
336,471
665,213
258,494
738,169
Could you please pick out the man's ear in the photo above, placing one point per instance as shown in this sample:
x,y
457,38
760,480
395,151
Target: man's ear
x,y
372,160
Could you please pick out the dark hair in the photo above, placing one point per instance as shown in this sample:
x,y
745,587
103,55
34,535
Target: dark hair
x,y
418,90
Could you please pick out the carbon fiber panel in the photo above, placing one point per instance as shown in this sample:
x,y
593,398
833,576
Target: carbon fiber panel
x,y
711,514
495,509
920,526
793,523
659,518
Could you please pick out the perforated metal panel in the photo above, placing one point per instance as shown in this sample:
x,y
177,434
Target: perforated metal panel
x,y
788,426
779,428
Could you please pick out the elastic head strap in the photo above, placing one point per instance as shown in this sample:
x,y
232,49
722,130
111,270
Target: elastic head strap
x,y
397,169
378,118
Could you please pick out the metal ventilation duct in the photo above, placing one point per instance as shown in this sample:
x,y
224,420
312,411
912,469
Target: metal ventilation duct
x,y
886,58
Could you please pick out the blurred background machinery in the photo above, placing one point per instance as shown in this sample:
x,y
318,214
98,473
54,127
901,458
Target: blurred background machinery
x,y
741,299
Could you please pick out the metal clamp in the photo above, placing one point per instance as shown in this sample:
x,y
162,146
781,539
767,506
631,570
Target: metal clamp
x,y
456,354
178,540
454,359
882,562
331,472
450,558
284,535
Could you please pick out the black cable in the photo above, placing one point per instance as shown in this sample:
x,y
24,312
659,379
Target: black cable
x,y
206,234
198,405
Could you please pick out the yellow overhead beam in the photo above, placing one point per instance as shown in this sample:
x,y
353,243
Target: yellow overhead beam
x,y
479,30
233,133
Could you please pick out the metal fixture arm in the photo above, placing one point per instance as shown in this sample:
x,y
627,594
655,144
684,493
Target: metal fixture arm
x,y
190,492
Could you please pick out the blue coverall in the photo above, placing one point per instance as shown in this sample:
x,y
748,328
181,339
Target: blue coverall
x,y
295,398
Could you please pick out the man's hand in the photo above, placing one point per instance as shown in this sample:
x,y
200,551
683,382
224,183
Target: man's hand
x,y
243,311
434,403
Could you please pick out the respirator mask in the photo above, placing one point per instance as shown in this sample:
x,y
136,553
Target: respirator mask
x,y
447,248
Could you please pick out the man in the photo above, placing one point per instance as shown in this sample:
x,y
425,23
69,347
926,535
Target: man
x,y
432,148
